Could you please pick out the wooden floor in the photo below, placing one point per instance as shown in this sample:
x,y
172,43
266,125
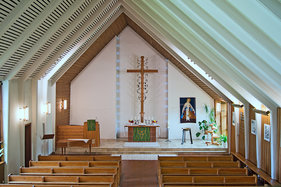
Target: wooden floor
x,y
139,173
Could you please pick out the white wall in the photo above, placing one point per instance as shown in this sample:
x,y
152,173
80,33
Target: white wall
x,y
45,94
132,46
93,93
181,86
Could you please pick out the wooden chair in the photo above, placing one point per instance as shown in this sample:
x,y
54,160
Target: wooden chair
x,y
184,135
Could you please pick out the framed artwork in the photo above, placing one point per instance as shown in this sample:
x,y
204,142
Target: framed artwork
x,y
253,126
233,118
267,132
187,110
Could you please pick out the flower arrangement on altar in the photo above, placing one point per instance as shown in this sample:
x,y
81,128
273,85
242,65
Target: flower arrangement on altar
x,y
131,121
154,121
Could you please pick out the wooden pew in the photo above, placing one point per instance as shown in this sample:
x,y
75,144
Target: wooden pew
x,y
63,180
199,164
79,158
205,171
74,163
207,180
196,158
68,171
38,185
77,164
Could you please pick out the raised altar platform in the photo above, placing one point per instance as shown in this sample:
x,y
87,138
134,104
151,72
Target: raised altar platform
x,y
117,146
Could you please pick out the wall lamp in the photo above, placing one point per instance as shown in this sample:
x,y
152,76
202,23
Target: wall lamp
x,y
24,113
237,105
63,104
47,108
262,112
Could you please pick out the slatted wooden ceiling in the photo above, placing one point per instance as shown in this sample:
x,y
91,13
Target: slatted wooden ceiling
x,y
36,35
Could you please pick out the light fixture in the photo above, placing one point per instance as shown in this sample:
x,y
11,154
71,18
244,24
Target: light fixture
x,y
237,105
63,104
262,112
24,113
47,108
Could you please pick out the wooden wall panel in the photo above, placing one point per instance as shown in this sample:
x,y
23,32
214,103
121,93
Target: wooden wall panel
x,y
265,146
252,138
241,142
232,138
62,92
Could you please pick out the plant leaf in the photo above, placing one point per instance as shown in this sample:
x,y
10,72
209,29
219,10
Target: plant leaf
x,y
198,134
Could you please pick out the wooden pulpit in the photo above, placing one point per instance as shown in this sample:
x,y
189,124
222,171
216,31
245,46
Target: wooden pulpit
x,y
93,135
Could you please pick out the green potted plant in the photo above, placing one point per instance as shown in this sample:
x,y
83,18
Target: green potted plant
x,y
205,126
223,140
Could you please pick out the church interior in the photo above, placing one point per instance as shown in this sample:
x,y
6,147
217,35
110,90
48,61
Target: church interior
x,y
140,93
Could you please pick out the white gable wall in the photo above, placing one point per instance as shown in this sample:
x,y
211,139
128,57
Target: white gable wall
x,y
132,46
181,86
93,93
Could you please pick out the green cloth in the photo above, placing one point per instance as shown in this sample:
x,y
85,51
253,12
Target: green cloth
x,y
91,124
141,134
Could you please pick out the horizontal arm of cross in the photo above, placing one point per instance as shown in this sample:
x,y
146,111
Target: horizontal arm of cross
x,y
145,71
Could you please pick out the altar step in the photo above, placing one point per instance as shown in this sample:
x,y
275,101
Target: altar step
x,y
156,150
162,146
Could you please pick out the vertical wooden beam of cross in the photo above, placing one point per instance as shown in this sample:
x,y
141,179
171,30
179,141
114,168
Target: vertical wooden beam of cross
x,y
142,71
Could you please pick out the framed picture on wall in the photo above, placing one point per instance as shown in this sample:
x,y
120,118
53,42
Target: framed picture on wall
x,y
253,126
233,118
267,132
187,110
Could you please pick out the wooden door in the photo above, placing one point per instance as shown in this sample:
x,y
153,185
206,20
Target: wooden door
x,y
241,141
27,146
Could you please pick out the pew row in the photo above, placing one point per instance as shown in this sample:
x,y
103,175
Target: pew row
x,y
108,180
68,171
205,171
55,185
206,180
196,158
199,164
79,158
74,163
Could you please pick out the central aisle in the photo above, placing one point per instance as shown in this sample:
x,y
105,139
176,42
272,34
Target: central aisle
x,y
139,173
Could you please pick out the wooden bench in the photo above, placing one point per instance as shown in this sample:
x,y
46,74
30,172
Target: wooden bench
x,y
207,180
70,171
79,158
55,185
74,163
196,158
73,135
63,180
196,164
77,164
204,171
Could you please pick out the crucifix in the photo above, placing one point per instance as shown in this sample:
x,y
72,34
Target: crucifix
x,y
142,71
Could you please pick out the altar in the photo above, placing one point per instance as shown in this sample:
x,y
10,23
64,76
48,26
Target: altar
x,y
142,133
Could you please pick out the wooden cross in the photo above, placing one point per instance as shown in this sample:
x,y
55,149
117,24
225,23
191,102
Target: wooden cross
x,y
142,71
